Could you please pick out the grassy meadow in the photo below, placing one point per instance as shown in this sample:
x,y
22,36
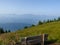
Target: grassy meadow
x,y
52,29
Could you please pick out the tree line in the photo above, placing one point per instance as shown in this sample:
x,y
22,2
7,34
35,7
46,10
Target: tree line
x,y
2,31
43,22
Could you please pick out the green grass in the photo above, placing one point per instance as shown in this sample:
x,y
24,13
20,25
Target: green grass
x,y
52,29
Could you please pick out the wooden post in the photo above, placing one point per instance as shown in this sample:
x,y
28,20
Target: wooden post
x,y
42,39
25,40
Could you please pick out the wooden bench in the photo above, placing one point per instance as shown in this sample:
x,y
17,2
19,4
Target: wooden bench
x,y
34,40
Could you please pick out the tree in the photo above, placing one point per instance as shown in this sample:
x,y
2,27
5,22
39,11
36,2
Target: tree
x,y
32,25
55,19
25,27
48,21
40,22
6,31
58,18
9,31
1,30
51,20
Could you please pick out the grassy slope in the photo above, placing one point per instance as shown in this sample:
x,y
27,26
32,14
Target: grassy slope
x,y
52,29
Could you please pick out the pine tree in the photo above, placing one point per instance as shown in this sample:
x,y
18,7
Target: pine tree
x,y
40,22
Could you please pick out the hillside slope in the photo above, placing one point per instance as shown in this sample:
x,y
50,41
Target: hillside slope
x,y
52,29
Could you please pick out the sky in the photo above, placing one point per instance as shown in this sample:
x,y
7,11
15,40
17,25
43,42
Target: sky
x,y
36,7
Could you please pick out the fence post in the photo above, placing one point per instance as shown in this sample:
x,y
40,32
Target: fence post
x,y
25,40
42,39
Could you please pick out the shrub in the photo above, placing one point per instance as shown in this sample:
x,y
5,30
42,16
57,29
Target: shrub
x,y
40,22
25,27
32,25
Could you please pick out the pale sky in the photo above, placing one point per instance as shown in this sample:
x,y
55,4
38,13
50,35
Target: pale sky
x,y
41,7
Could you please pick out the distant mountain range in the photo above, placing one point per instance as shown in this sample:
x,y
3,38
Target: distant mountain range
x,y
26,18
14,22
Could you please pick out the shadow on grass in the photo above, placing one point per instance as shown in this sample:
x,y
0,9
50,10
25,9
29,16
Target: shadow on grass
x,y
50,41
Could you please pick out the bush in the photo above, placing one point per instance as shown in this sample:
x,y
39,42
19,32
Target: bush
x,y
40,22
32,25
25,27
